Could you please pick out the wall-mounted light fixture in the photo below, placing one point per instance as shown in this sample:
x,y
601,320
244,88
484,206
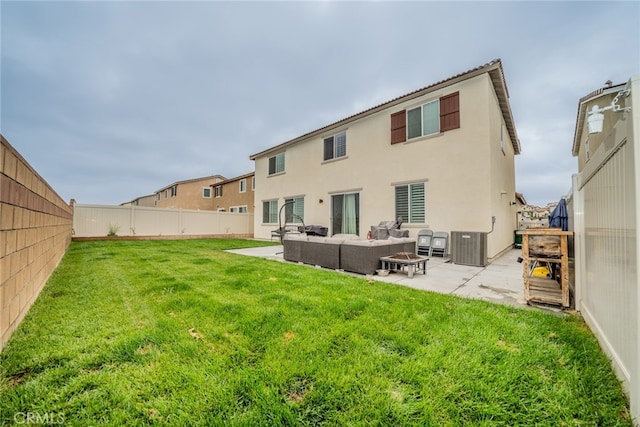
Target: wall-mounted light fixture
x,y
595,117
512,203
320,201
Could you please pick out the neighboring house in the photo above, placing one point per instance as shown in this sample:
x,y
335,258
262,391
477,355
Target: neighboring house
x,y
520,204
441,157
606,219
584,143
188,194
234,194
148,201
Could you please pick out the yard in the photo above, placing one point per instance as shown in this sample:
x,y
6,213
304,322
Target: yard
x,y
183,333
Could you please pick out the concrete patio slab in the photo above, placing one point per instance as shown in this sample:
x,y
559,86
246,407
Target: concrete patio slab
x,y
499,282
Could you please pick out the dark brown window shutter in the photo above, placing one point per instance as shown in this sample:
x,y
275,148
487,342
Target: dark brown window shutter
x,y
450,112
399,127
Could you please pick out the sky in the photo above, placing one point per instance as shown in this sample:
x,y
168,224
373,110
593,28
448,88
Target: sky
x,y
113,100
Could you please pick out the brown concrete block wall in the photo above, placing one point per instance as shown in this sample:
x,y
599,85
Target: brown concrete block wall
x,y
35,232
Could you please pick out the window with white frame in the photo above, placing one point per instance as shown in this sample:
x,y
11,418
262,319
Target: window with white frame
x,y
335,146
174,191
217,191
423,120
276,164
238,209
253,183
294,210
243,185
206,192
166,194
270,211
411,203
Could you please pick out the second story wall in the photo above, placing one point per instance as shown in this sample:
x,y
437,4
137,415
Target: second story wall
x,y
235,195
189,194
588,144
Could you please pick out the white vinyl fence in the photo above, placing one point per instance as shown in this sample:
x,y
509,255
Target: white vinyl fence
x,y
100,220
606,218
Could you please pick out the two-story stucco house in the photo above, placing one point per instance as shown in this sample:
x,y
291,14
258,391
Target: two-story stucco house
x,y
188,194
234,194
441,157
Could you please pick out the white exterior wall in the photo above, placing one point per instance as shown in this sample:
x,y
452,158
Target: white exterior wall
x,y
457,165
607,214
96,220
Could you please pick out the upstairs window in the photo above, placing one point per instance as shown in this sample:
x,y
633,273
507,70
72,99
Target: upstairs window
x,y
206,192
439,115
217,191
410,203
335,146
423,120
243,185
174,191
276,164
253,183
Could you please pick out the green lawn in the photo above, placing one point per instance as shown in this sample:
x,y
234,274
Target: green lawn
x,y
182,333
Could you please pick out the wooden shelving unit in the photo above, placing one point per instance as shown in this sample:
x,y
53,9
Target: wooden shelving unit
x,y
548,246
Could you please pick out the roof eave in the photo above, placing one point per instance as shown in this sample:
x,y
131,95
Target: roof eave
x,y
186,181
237,178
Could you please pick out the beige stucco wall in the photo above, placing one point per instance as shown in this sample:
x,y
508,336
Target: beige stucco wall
x,y
35,231
189,195
457,166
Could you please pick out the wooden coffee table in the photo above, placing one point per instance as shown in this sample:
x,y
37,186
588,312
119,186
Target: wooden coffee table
x,y
398,262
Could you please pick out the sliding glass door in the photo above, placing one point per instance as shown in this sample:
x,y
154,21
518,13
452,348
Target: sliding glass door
x,y
345,210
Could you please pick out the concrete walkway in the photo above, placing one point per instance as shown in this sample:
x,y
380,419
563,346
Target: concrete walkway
x,y
499,282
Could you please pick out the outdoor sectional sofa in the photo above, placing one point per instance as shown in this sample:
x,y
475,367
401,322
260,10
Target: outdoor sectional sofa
x,y
343,252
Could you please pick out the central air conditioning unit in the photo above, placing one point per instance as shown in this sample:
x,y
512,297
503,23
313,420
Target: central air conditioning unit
x,y
469,248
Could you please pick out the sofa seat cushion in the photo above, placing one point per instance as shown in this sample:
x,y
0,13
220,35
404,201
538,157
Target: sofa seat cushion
x,y
363,256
